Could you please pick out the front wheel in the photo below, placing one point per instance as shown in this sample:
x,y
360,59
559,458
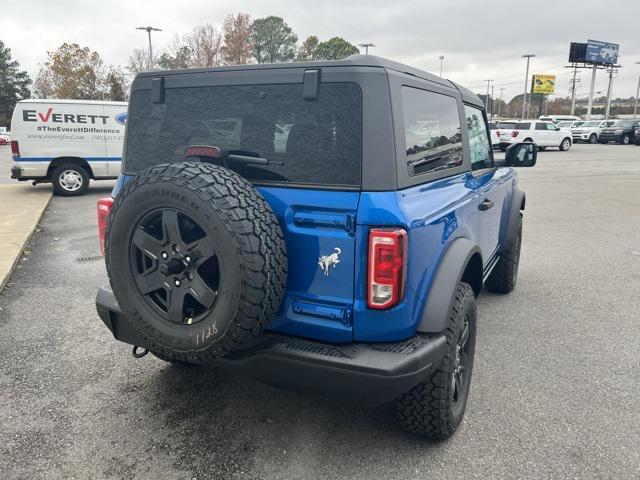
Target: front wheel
x,y
70,180
625,139
565,145
593,138
435,407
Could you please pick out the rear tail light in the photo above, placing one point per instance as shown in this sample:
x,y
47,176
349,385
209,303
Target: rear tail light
x,y
15,149
387,267
514,134
104,209
497,133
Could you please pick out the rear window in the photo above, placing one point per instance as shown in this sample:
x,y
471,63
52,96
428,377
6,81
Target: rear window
x,y
310,142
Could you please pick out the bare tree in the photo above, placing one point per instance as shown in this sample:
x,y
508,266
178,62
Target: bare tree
x,y
138,61
237,39
205,44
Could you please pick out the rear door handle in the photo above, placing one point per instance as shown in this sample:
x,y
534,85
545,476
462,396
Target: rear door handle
x,y
485,205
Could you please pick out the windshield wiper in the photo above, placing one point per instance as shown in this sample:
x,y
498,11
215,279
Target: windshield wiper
x,y
217,153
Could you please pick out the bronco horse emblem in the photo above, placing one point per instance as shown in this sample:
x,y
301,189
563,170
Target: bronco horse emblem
x,y
326,261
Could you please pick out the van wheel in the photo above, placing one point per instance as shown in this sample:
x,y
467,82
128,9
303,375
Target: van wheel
x,y
593,138
435,407
565,145
70,180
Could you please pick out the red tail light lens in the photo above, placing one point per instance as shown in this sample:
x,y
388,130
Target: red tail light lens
x,y
497,133
387,267
104,209
15,149
514,134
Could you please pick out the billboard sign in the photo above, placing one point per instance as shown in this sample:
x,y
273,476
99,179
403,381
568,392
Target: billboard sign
x,y
602,52
545,84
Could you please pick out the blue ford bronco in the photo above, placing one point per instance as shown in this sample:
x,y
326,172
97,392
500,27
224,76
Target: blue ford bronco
x,y
319,226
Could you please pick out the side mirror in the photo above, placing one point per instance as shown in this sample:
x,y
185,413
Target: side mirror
x,y
521,155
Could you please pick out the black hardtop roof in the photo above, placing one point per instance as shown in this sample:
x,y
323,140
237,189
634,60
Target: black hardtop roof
x,y
352,61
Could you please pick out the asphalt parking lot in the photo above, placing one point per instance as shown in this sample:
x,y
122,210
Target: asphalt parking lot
x,y
555,392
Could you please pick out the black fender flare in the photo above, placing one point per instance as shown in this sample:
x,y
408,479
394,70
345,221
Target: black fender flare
x,y
515,217
452,266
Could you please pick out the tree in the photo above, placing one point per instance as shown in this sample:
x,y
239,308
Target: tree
x,y
14,84
205,44
181,59
115,85
71,72
307,49
138,61
273,40
336,48
237,39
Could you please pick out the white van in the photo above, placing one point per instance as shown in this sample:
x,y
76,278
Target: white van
x,y
67,142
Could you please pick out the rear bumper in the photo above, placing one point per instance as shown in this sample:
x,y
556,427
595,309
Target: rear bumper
x,y
367,373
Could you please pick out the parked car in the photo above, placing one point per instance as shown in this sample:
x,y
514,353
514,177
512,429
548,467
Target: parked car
x,y
589,131
544,134
67,142
504,133
636,138
622,131
494,131
344,260
5,137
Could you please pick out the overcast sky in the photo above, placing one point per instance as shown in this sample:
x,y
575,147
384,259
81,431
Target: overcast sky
x,y
479,39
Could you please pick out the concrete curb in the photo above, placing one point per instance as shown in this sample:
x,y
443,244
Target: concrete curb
x,y
17,229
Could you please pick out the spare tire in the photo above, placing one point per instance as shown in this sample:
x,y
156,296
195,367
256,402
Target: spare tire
x,y
196,259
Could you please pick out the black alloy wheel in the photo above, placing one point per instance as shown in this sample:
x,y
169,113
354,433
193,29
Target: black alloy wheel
x,y
459,377
174,266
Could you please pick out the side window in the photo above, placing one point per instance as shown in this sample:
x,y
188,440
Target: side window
x,y
551,126
541,126
432,131
523,126
479,146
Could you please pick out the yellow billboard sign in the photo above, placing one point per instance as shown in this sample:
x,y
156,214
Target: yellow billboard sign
x,y
545,84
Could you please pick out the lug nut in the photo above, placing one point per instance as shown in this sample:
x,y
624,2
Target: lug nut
x,y
164,255
190,276
177,282
187,258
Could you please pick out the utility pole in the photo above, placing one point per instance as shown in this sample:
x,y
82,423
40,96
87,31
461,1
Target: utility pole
x,y
500,101
486,100
149,30
366,47
492,102
526,82
441,57
608,107
635,108
573,90
593,86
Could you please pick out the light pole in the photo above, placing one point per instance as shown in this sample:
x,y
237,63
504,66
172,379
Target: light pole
x,y
441,57
502,89
486,100
635,108
526,82
366,47
149,30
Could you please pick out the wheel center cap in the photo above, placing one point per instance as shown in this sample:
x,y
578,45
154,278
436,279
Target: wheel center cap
x,y
172,267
